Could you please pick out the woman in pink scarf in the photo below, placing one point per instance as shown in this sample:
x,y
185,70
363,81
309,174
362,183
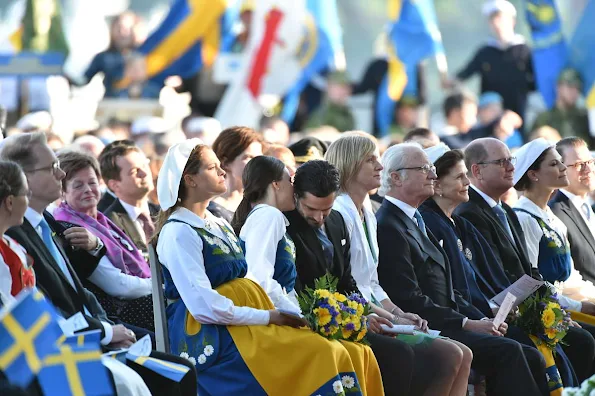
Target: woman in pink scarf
x,y
122,280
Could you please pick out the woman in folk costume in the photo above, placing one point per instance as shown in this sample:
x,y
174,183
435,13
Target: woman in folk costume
x,y
357,159
224,322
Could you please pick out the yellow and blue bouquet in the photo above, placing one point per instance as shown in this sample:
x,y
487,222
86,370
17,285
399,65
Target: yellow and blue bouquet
x,y
334,315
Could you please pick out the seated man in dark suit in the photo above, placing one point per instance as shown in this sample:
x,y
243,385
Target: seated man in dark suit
x,y
491,167
415,273
571,206
55,276
126,172
322,245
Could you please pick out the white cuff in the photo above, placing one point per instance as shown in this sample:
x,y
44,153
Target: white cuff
x,y
464,322
109,333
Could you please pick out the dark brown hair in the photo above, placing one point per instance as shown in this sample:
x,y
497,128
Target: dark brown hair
x,y
524,183
231,142
192,168
448,160
258,175
570,142
72,162
110,154
11,182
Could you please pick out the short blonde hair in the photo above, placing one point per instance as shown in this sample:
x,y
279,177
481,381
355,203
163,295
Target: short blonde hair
x,y
348,154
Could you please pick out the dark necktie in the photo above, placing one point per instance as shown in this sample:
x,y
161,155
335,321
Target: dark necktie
x,y
148,226
327,246
501,215
420,222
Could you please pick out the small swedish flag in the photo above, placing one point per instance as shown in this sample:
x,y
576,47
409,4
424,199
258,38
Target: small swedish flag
x,y
28,332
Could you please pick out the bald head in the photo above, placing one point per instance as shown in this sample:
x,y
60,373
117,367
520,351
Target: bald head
x,y
485,172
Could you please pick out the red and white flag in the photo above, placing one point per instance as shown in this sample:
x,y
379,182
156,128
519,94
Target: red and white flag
x,y
270,65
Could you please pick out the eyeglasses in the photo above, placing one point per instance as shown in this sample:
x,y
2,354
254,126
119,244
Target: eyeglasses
x,y
425,169
502,162
54,167
582,165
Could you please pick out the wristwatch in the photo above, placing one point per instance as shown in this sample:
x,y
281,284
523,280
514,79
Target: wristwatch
x,y
97,248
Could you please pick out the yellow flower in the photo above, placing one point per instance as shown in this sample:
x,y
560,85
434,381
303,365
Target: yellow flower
x,y
361,335
551,333
340,297
553,305
322,293
352,304
346,333
548,317
356,322
360,309
324,316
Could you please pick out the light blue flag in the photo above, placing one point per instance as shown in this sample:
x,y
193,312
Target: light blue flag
x,y
414,36
550,53
75,371
173,371
322,42
582,54
28,332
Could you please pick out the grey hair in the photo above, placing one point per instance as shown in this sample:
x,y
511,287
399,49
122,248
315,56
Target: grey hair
x,y
396,157
19,148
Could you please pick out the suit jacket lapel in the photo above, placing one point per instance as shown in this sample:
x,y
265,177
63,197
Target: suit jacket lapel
x,y
120,217
424,243
574,214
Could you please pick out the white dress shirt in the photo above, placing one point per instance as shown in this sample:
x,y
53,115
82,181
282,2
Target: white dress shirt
x,y
180,251
118,284
578,204
133,212
533,234
34,219
489,200
261,233
364,254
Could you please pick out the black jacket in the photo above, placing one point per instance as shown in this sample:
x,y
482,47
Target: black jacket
x,y
310,261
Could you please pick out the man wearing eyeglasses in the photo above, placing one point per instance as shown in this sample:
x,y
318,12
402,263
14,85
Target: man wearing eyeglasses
x,y
415,272
571,206
491,169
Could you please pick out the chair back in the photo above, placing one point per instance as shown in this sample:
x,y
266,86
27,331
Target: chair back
x,y
161,333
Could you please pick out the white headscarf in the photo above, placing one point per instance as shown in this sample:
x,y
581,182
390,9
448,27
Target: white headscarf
x,y
436,151
170,175
527,155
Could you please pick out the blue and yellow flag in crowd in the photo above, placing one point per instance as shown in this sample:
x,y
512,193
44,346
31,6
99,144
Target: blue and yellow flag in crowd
x,y
414,36
170,370
91,337
76,371
28,333
550,53
582,54
321,43
189,37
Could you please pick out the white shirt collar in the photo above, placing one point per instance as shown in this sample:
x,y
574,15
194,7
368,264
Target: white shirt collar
x,y
530,206
490,201
406,208
265,205
193,219
33,217
577,201
133,211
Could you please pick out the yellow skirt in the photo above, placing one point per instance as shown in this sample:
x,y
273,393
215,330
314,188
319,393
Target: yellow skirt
x,y
287,360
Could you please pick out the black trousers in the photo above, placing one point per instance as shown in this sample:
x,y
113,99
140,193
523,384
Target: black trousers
x,y
396,361
580,350
509,368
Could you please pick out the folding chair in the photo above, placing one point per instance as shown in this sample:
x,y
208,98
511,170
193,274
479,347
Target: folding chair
x,y
161,333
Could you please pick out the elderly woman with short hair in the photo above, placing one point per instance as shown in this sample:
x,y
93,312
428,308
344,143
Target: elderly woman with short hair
x,y
122,279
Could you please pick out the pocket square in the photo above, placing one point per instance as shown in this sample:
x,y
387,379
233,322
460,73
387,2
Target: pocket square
x,y
343,242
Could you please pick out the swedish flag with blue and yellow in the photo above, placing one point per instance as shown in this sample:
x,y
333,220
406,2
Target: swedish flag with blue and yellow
x,y
189,37
172,371
28,333
321,43
414,36
581,54
550,53
92,337
75,371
